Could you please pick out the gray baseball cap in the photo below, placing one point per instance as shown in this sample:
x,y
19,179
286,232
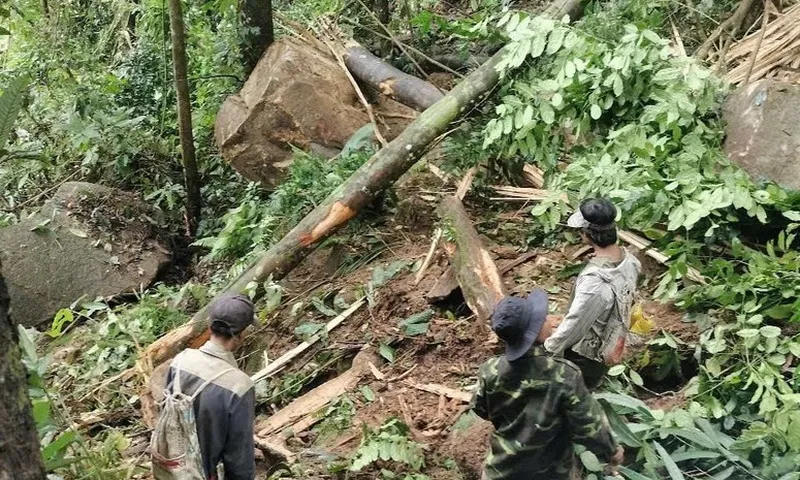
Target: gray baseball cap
x,y
235,311
517,321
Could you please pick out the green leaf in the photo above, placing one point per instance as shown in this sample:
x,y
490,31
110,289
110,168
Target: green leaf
x,y
792,215
547,113
537,45
672,468
368,394
10,105
556,40
747,333
322,308
308,329
616,370
63,317
590,461
595,112
386,352
618,86
770,331
416,324
636,378
557,100
623,401
632,475
59,445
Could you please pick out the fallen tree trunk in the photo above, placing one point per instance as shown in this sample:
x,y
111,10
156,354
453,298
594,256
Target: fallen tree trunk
x,y
404,88
299,415
475,270
383,169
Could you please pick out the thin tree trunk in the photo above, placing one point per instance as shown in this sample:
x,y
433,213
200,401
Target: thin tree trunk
x,y
190,173
376,73
382,170
257,19
20,454
475,270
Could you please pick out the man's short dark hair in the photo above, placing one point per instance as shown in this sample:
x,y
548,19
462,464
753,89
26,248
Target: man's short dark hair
x,y
221,329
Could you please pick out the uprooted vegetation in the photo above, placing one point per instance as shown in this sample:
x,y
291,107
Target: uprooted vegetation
x,y
609,103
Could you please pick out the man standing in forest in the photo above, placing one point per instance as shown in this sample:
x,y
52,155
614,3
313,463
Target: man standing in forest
x,y
594,331
223,399
538,403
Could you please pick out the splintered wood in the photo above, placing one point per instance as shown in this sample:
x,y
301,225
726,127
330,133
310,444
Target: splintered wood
x,y
768,49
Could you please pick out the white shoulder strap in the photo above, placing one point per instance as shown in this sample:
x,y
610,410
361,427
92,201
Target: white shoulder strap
x,y
207,382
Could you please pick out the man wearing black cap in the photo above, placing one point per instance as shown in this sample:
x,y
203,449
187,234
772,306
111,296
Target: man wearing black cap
x,y
225,403
538,403
593,333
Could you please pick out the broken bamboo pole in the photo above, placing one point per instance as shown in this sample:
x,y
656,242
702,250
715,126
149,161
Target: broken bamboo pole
x,y
475,270
378,173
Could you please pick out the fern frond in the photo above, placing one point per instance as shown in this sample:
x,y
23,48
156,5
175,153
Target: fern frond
x,y
10,105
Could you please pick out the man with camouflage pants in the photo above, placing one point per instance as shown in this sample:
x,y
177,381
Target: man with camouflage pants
x,y
538,404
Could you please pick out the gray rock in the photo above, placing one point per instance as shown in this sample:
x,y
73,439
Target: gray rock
x,y
88,241
763,131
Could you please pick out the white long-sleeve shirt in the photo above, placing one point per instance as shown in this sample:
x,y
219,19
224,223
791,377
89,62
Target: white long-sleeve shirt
x,y
603,289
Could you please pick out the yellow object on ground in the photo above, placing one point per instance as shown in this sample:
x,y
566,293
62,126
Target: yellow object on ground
x,y
640,324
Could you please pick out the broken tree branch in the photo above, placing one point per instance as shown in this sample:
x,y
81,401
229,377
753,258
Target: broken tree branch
x,y
436,389
475,270
404,88
731,27
287,357
378,173
299,415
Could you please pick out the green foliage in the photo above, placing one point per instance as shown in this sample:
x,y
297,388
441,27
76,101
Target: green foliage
x,y
337,418
416,324
10,105
390,443
257,223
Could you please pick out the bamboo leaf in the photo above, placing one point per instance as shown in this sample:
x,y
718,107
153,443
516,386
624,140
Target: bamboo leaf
x,y
672,468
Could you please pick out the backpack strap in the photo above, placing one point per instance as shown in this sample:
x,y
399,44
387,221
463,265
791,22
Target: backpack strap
x,y
207,382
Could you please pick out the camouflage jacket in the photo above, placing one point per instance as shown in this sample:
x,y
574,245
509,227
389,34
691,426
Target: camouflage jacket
x,y
539,407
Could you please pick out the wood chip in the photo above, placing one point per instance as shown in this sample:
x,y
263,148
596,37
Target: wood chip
x,y
437,389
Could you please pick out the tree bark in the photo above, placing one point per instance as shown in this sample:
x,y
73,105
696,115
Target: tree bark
x,y
20,454
179,63
382,170
405,88
257,20
476,272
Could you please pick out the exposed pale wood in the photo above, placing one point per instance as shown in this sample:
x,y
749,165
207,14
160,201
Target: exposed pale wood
x,y
461,192
476,272
287,357
375,372
437,389
275,449
299,415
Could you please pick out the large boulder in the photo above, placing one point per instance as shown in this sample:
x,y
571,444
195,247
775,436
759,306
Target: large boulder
x,y
88,241
763,131
296,96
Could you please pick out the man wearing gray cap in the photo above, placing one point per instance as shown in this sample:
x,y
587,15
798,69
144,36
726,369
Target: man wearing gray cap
x,y
538,403
224,397
593,333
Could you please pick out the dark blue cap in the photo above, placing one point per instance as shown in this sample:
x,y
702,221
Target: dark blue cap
x,y
517,321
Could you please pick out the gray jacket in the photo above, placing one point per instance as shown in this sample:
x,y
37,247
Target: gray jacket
x,y
603,294
224,410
